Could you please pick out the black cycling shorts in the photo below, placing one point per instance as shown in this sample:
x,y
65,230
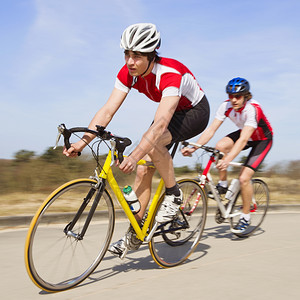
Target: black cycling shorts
x,y
258,152
186,124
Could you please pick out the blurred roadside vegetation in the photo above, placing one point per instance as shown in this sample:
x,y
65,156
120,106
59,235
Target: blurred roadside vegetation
x,y
26,180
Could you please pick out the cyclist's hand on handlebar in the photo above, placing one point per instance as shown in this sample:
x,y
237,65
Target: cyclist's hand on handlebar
x,y
73,150
69,152
128,165
222,165
186,151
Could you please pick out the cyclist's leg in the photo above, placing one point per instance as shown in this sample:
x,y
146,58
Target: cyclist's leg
x,y
164,163
162,159
183,125
246,192
176,240
142,186
258,153
246,188
225,145
255,158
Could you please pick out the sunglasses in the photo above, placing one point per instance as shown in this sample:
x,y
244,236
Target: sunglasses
x,y
231,96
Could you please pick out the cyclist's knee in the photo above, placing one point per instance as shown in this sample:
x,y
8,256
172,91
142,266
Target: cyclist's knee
x,y
224,145
159,154
245,179
143,171
246,176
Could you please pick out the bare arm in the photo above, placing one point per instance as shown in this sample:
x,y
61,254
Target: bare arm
x,y
162,118
106,113
102,117
205,137
238,146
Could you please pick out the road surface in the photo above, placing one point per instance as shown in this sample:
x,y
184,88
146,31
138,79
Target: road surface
x,y
264,266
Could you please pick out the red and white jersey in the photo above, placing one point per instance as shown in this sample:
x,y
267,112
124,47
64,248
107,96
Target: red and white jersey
x,y
250,114
169,77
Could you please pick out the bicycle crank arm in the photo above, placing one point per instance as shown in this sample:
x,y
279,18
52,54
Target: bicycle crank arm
x,y
122,256
151,233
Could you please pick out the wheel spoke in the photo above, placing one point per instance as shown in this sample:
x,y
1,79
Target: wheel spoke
x,y
57,257
258,210
179,238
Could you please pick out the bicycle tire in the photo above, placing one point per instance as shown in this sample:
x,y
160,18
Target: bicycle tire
x,y
172,244
258,209
55,260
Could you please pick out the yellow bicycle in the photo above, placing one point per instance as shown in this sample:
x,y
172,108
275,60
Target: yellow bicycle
x,y
71,231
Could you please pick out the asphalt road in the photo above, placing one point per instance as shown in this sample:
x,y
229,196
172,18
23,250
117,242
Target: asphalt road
x,y
264,266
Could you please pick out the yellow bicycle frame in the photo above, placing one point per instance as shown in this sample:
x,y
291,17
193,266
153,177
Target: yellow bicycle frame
x,y
107,174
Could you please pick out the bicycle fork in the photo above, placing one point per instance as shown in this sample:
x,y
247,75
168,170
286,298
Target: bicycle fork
x,y
68,229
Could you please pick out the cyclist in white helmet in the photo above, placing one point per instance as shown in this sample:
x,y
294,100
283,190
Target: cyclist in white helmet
x,y
182,113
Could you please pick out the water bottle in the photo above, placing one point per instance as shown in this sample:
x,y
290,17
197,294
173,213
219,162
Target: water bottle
x,y
233,189
131,199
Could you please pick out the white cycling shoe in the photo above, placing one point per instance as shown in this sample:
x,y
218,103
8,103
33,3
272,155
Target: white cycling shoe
x,y
118,248
169,208
128,242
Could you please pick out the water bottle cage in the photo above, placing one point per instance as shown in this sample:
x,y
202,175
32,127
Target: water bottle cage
x,y
130,203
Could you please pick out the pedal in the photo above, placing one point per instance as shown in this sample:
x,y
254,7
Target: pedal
x,y
218,217
122,256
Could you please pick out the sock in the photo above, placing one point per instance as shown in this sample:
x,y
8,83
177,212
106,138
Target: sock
x,y
173,190
223,183
245,216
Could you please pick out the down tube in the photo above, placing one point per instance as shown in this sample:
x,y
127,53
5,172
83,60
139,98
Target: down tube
x,y
115,187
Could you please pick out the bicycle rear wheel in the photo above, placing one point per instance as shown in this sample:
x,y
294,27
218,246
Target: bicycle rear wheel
x,y
57,257
258,209
174,241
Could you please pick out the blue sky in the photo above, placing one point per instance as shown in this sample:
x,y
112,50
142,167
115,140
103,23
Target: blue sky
x,y
59,59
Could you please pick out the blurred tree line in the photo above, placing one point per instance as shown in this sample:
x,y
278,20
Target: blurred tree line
x,y
42,174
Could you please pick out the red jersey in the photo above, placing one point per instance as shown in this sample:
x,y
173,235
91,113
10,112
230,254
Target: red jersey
x,y
250,114
168,77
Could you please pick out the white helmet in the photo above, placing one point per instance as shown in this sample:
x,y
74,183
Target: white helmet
x,y
141,37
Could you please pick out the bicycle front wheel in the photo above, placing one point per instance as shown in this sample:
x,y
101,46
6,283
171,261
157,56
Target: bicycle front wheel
x,y
258,209
174,241
58,253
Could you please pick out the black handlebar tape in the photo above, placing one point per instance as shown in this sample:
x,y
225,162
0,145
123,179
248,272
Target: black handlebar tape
x,y
67,135
120,157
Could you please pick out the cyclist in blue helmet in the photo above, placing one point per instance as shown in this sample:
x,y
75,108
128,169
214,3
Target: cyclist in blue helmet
x,y
254,132
238,85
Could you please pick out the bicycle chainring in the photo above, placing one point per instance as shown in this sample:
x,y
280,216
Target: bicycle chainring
x,y
218,217
133,243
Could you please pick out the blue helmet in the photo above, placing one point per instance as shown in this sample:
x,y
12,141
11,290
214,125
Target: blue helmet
x,y
238,85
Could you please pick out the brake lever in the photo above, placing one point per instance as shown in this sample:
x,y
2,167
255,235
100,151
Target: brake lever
x,y
57,141
219,155
60,129
112,151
